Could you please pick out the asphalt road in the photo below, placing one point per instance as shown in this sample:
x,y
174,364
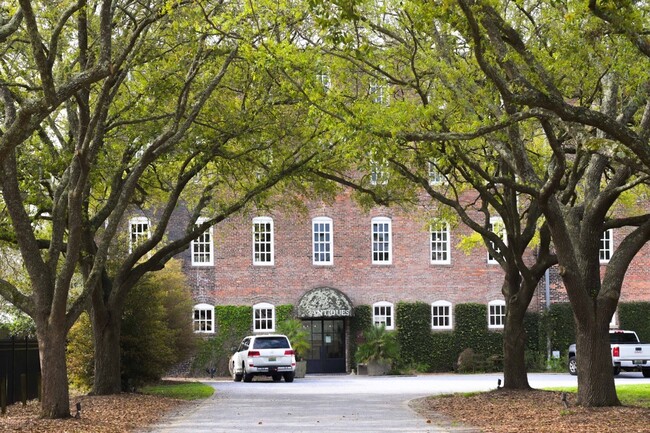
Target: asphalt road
x,y
336,403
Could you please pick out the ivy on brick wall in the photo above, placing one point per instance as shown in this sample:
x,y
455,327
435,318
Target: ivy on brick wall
x,y
557,324
233,322
634,316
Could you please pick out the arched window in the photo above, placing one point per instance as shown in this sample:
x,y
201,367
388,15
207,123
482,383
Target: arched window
x,y
441,315
381,241
263,241
322,241
203,318
383,313
496,314
440,243
202,249
263,317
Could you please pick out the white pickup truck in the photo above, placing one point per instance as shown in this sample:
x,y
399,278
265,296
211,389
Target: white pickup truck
x,y
628,353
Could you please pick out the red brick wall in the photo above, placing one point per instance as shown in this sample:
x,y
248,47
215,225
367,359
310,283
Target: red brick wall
x,y
235,281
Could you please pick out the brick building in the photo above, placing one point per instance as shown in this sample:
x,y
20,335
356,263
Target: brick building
x,y
328,258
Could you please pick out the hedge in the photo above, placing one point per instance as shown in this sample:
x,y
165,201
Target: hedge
x,y
634,317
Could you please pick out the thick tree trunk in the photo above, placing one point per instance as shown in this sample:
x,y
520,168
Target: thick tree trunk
x,y
55,398
107,327
595,377
515,375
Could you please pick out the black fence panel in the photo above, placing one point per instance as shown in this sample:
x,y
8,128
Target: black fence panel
x,y
19,356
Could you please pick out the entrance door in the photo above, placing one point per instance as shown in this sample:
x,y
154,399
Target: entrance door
x,y
327,353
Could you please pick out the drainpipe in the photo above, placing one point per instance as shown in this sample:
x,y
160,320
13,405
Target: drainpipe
x,y
547,294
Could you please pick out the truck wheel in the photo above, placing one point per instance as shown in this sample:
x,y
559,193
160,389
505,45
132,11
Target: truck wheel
x,y
646,372
617,371
288,376
573,366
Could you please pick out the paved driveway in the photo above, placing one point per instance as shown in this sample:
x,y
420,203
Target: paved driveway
x,y
336,403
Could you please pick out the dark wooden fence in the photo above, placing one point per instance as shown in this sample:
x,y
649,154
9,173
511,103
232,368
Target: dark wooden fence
x,y
20,369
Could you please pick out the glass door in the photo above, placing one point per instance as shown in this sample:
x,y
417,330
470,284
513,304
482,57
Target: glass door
x,y
327,353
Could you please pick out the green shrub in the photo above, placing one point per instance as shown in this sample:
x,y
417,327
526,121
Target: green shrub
x,y
414,333
379,345
634,316
156,325
558,325
80,354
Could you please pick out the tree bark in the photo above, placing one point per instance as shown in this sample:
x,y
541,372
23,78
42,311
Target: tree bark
x,y
595,377
515,375
107,329
55,399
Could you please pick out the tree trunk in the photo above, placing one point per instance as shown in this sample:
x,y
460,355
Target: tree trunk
x,y
595,377
515,375
55,399
107,328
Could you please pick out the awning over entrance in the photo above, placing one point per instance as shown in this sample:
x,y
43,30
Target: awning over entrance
x,y
324,302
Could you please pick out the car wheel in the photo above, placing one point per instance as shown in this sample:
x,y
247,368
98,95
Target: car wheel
x,y
235,376
276,377
646,372
288,376
573,366
617,371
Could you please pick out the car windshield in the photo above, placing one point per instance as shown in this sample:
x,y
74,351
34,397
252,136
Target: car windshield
x,y
271,343
622,337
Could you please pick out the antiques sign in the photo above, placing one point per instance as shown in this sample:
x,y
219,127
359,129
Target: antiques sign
x,y
324,302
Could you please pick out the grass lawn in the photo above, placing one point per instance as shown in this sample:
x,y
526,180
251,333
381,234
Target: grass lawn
x,y
629,395
180,390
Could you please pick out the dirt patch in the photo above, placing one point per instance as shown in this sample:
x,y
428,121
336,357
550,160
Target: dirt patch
x,y
533,411
99,414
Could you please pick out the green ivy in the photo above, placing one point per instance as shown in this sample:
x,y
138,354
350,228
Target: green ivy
x,y
233,322
558,325
414,333
633,316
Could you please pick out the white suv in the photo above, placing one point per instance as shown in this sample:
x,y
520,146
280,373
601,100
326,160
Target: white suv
x,y
263,355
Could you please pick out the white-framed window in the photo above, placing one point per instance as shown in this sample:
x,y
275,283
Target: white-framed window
x,y
202,248
496,226
203,318
383,314
606,246
440,243
139,231
325,81
263,241
377,93
441,312
322,232
496,314
263,317
381,241
435,176
378,173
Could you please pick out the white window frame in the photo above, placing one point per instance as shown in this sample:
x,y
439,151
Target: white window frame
x,y
435,176
269,243
261,313
377,93
205,246
204,324
440,243
385,316
496,319
378,173
445,316
325,80
606,248
497,222
136,237
381,241
322,241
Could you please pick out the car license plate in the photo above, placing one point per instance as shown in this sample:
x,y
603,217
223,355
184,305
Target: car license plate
x,y
639,361
272,358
